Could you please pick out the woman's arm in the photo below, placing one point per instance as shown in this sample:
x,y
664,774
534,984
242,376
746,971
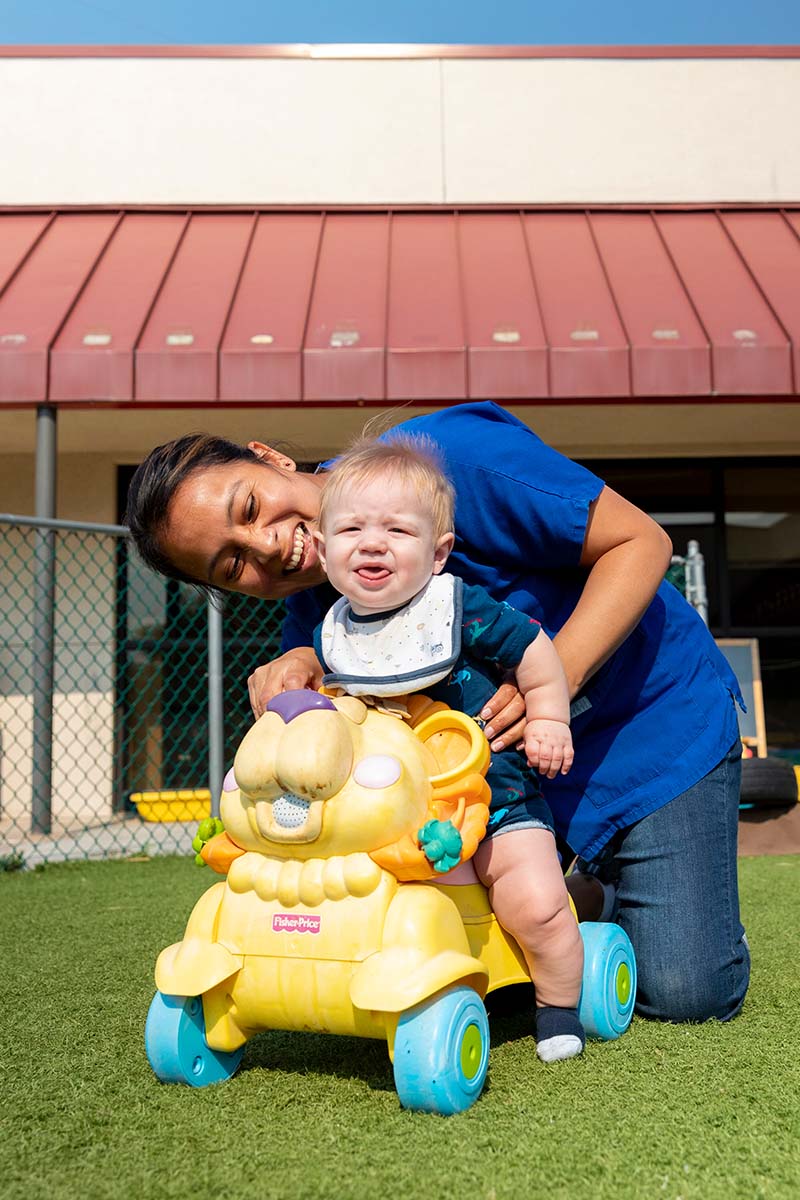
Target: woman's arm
x,y
627,554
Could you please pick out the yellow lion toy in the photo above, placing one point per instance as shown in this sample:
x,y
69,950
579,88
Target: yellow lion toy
x,y
338,821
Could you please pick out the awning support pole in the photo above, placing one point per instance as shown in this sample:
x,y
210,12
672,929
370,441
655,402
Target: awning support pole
x,y
44,558
216,733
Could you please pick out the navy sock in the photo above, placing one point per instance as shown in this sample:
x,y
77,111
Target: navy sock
x,y
559,1033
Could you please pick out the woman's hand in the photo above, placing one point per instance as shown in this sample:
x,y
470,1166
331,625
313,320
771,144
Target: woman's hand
x,y
298,668
504,716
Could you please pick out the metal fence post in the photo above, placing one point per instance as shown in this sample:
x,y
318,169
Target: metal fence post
x,y
44,623
216,732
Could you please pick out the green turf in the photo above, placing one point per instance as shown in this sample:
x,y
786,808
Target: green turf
x,y
666,1112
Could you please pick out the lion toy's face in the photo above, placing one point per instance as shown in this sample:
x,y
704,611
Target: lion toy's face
x,y
317,777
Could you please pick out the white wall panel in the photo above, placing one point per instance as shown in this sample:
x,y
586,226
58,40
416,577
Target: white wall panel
x,y
615,131
232,131
264,131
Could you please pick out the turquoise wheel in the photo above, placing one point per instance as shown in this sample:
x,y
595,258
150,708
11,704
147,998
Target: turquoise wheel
x,y
441,1052
175,1041
609,980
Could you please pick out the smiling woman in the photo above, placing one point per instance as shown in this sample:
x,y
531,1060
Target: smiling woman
x,y
207,511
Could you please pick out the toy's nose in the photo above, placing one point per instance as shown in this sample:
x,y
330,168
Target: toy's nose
x,y
289,705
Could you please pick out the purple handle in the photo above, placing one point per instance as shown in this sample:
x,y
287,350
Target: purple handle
x,y
289,705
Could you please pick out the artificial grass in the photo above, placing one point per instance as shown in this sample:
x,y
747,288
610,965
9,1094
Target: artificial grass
x,y
666,1112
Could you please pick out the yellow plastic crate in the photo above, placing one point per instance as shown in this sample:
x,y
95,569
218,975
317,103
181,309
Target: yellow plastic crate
x,y
185,804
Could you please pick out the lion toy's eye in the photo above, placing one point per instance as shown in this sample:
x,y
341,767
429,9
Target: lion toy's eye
x,y
377,771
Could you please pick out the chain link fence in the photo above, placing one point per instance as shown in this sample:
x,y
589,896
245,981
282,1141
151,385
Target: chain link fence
x,y
104,695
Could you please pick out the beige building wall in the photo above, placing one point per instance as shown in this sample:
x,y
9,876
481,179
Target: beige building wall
x,y
430,131
87,481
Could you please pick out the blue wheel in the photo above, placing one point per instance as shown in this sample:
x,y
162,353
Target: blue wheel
x,y
609,980
175,1041
441,1052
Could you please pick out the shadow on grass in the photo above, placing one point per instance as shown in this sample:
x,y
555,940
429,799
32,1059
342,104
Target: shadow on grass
x,y
339,1057
511,1007
366,1059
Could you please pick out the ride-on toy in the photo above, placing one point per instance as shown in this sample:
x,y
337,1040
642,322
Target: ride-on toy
x,y
335,916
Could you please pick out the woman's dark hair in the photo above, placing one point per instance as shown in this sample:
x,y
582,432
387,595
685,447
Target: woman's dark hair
x,y
156,481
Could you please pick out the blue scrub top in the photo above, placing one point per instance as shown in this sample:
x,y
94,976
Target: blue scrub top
x,y
660,713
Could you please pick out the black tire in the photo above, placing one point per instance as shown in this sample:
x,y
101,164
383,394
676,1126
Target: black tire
x,y
768,782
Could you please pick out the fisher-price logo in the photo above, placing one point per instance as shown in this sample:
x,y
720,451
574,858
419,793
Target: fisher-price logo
x,y
287,923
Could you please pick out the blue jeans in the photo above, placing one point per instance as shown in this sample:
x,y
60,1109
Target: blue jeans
x,y
678,900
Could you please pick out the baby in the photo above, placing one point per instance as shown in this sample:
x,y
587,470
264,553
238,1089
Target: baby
x,y
403,625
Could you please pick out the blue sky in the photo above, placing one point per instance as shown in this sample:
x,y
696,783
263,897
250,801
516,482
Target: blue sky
x,y
521,22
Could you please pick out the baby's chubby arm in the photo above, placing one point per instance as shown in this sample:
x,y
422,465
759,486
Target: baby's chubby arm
x,y
541,679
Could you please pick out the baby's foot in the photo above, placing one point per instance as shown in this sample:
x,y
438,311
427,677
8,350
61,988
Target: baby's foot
x,y
559,1033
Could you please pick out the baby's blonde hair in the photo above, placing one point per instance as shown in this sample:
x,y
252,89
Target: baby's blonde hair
x,y
413,460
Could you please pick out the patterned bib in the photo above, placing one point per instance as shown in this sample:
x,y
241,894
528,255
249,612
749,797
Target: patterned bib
x,y
391,654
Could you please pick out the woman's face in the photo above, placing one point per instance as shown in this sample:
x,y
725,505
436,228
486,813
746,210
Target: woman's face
x,y
246,526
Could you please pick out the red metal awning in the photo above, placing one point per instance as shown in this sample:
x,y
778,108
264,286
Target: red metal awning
x,y
285,307
261,353
344,350
750,350
588,346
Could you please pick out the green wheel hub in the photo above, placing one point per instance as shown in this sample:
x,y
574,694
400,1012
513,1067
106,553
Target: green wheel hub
x,y
471,1051
623,983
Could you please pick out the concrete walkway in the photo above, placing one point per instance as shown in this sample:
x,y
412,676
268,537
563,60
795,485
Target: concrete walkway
x,y
770,830
121,838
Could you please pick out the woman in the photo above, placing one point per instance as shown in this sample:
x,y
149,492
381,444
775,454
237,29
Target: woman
x,y
653,795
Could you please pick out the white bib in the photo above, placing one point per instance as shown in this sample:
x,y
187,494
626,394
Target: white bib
x,y
391,654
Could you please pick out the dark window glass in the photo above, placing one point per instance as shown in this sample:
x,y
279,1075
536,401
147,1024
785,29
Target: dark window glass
x,y
746,518
680,496
762,534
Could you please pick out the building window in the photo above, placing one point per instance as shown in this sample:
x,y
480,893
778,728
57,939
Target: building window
x,y
745,515
762,543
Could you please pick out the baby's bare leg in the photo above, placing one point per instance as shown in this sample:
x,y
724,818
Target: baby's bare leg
x,y
523,874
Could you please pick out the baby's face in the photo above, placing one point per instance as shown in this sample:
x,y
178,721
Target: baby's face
x,y
378,546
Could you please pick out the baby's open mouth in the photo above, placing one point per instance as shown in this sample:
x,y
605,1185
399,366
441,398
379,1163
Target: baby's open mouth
x,y
299,545
374,574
